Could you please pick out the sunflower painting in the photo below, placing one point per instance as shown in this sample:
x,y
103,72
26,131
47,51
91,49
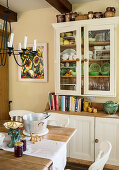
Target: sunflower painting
x,y
35,68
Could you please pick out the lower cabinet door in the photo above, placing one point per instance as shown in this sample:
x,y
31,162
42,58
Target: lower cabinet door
x,y
108,129
81,145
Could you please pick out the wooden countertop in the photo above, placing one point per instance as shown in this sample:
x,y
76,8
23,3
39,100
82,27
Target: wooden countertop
x,y
9,162
99,114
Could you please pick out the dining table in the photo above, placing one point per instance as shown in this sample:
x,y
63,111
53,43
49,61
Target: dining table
x,y
9,162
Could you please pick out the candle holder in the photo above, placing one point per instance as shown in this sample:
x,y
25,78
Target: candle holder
x,y
14,132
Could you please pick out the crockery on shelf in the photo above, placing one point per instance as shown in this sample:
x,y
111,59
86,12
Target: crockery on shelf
x,y
98,15
68,34
60,18
94,67
65,56
110,107
90,15
93,73
105,67
107,47
98,47
110,12
66,42
62,34
67,17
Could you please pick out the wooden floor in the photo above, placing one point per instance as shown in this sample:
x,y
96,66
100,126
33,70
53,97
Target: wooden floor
x,y
75,166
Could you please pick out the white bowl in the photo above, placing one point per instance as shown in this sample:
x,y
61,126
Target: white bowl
x,y
107,47
98,47
2,136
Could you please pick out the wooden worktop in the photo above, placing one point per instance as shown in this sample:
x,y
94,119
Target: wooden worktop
x,y
9,162
99,114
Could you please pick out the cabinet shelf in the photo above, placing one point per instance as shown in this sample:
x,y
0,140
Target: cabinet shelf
x,y
67,84
68,46
68,76
93,43
90,60
69,61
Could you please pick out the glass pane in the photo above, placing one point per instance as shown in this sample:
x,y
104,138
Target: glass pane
x,y
99,60
68,60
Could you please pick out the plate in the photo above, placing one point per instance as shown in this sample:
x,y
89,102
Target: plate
x,y
105,67
68,51
43,132
94,67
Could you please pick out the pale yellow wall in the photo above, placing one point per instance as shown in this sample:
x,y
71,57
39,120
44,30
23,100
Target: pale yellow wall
x,y
36,24
100,6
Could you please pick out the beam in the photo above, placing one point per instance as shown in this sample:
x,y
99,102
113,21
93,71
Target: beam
x,y
13,15
62,6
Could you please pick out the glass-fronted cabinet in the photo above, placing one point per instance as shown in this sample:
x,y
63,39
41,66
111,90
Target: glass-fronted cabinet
x,y
68,62
85,59
99,60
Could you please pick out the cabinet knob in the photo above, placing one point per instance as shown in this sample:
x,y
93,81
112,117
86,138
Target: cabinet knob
x,y
96,140
77,59
85,59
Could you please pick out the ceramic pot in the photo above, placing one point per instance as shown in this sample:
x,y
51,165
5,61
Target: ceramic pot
x,y
90,15
110,12
60,18
85,106
73,16
98,15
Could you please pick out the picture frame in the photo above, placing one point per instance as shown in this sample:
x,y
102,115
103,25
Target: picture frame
x,y
36,69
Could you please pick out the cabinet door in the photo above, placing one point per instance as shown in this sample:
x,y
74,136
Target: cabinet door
x,y
108,129
99,63
82,143
68,61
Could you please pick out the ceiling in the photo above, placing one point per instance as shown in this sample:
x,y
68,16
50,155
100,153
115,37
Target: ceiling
x,y
26,5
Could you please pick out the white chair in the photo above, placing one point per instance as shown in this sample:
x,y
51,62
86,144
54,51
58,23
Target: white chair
x,y
103,156
18,114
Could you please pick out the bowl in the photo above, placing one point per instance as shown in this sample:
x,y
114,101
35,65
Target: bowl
x,y
110,107
107,47
105,73
2,136
98,47
93,73
35,122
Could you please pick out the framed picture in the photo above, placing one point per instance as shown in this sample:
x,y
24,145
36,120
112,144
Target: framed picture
x,y
36,68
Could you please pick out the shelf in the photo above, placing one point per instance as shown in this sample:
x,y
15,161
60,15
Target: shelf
x,y
68,67
94,43
68,76
98,76
68,46
69,61
67,84
96,60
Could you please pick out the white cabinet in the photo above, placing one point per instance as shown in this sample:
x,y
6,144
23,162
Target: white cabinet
x,y
56,119
85,57
108,129
82,143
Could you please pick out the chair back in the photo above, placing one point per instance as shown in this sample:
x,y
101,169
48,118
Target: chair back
x,y
18,114
103,156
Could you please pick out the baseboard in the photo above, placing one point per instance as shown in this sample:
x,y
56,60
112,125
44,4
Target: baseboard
x,y
85,162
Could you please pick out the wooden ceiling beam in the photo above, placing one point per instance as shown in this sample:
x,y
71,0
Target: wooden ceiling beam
x,y
62,6
13,15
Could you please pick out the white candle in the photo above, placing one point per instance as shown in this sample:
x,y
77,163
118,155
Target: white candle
x,y
19,48
8,44
11,40
34,47
25,42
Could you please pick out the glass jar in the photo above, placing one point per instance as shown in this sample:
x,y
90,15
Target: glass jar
x,y
18,149
23,139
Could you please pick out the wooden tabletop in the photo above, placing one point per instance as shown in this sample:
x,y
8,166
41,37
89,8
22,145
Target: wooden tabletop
x,y
9,162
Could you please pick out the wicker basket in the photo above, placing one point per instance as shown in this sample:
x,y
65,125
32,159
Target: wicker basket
x,y
81,17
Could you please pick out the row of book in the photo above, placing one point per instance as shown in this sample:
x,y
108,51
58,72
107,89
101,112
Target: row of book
x,y
65,103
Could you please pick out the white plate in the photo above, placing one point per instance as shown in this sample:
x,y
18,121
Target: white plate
x,y
68,51
44,132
